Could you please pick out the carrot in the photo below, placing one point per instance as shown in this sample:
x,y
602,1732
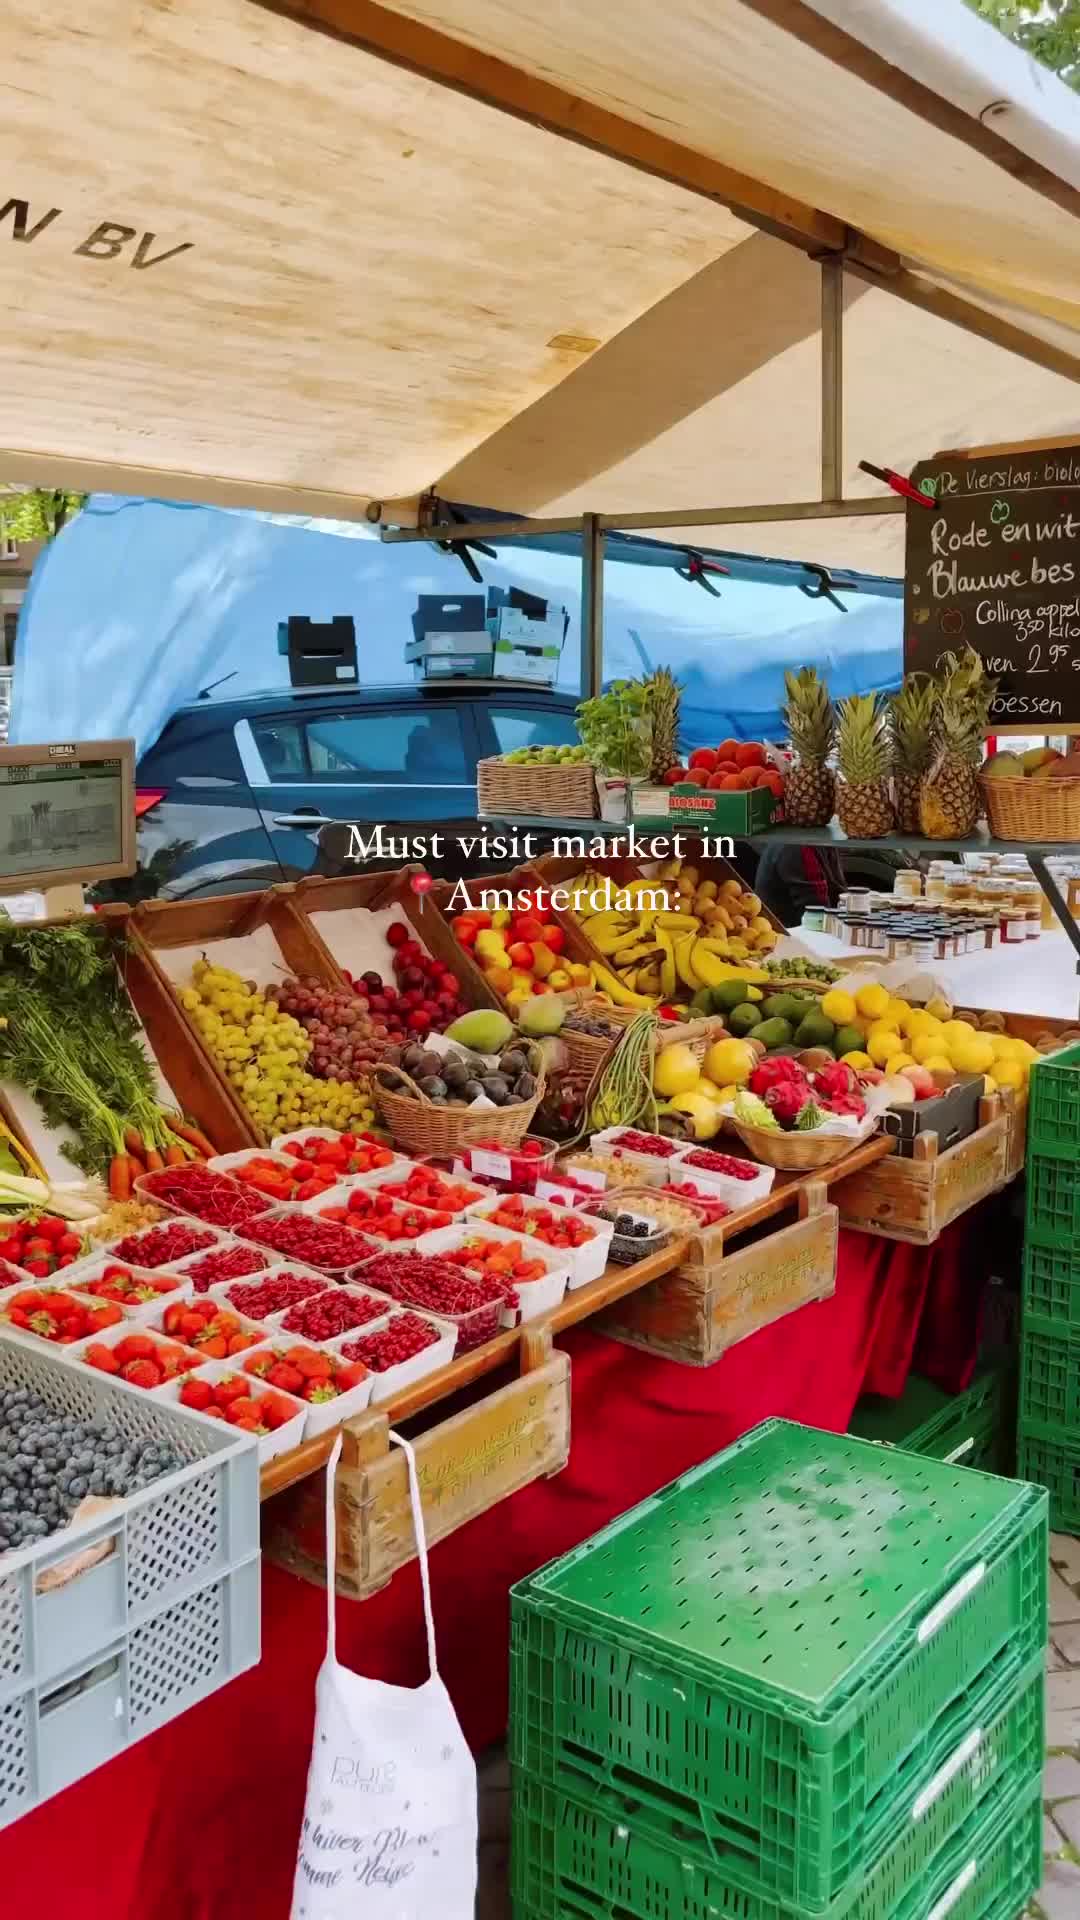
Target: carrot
x,y
194,1138
154,1161
134,1142
135,1165
175,1157
120,1177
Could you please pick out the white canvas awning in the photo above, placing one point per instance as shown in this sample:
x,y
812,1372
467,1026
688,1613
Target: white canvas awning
x,y
533,255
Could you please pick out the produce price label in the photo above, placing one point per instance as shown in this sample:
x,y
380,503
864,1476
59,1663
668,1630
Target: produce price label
x,y
995,565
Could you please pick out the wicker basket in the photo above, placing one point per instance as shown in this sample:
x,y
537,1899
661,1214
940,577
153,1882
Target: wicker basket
x,y
586,1051
794,1152
422,1126
567,791
1032,810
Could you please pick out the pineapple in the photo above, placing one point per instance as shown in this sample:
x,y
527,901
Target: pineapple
x,y
864,751
663,722
949,804
810,790
913,710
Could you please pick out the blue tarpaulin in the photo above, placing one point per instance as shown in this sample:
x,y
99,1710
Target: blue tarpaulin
x,y
141,604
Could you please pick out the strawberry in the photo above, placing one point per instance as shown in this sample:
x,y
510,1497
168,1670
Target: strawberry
x,y
240,1408
102,1357
287,1379
196,1394
233,1387
141,1373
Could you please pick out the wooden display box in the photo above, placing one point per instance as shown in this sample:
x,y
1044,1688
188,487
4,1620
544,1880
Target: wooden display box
x,y
696,1313
479,991
914,1200
371,892
158,926
465,1464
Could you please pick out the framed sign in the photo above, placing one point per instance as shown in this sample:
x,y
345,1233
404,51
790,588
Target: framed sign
x,y
67,813
995,565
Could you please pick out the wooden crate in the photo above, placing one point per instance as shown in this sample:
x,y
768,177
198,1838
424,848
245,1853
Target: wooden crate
x,y
479,990
160,926
914,1200
199,1086
373,891
465,1464
696,1313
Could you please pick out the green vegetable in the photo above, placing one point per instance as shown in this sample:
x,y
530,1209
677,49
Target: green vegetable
x,y
810,1118
621,1091
754,1113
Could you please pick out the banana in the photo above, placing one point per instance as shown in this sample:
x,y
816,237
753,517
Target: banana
x,y
685,965
613,987
635,950
669,978
682,922
710,967
629,978
648,980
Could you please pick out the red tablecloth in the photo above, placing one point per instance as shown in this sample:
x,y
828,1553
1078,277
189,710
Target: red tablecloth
x,y
200,1821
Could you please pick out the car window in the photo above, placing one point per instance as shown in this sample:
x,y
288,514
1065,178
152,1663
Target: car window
x,y
413,747
532,727
281,748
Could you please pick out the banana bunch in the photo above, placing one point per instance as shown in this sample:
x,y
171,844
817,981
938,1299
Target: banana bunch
x,y
703,935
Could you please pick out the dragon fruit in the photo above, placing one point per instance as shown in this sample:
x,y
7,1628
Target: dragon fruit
x,y
833,1082
850,1103
787,1100
781,1070
810,1117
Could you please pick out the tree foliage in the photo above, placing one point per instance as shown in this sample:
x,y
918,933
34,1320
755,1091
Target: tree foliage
x,y
36,513
1047,29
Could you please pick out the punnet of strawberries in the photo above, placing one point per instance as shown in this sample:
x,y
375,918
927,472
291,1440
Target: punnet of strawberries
x,y
240,1402
541,1223
789,1090
349,1153
58,1316
336,1311
160,1246
305,1372
426,1187
214,1332
317,1243
281,1179
39,1246
227,1263
211,1196
130,1289
258,1299
142,1359
379,1215
406,1335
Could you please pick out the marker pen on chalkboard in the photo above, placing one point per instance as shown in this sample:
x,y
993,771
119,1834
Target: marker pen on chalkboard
x,y
899,485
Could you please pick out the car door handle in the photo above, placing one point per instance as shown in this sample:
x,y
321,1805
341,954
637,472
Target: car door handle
x,y
307,818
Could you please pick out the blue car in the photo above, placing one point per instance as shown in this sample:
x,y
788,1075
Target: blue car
x,y
240,794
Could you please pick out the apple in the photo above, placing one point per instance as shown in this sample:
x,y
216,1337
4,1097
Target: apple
x,y
922,1081
704,759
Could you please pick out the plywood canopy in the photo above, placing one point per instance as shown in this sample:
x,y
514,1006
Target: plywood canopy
x,y
296,255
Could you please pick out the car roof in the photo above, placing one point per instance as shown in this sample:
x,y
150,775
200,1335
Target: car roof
x,y
285,697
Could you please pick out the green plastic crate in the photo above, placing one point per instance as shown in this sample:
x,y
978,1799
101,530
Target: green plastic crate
x,y
1050,1383
1052,1218
1055,1465
1052,1284
992,1741
961,1427
1054,1105
569,1858
766,1647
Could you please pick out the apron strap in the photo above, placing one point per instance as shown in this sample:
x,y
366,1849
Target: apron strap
x,y
421,1548
421,1544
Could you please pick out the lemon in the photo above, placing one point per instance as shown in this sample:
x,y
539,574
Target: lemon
x,y
990,1085
857,1059
1010,1073
882,1044
677,1070
972,1056
956,1030
937,1063
925,1046
898,1060
839,1007
872,1001
1005,1048
918,1021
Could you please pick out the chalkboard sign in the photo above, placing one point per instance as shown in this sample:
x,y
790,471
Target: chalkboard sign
x,y
996,565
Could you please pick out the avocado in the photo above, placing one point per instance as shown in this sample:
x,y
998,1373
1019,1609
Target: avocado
x,y
780,1006
815,1030
774,1032
848,1040
702,1001
728,995
743,1019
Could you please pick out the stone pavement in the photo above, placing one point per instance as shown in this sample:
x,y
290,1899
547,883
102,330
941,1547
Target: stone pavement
x,y
1058,1897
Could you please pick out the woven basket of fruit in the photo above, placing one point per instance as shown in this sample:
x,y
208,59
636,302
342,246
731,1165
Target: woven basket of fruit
x,y
1025,808
793,1152
432,1113
589,1032
566,788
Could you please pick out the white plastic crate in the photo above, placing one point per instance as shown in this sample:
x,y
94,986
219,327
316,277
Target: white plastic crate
x,y
586,1262
172,1611
439,1354
534,1296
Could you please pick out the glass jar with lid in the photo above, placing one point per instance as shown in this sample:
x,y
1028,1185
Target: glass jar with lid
x,y
1028,896
907,884
960,888
936,878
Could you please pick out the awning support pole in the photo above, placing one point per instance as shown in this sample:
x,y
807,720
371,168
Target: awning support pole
x,y
832,379
592,606
858,509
